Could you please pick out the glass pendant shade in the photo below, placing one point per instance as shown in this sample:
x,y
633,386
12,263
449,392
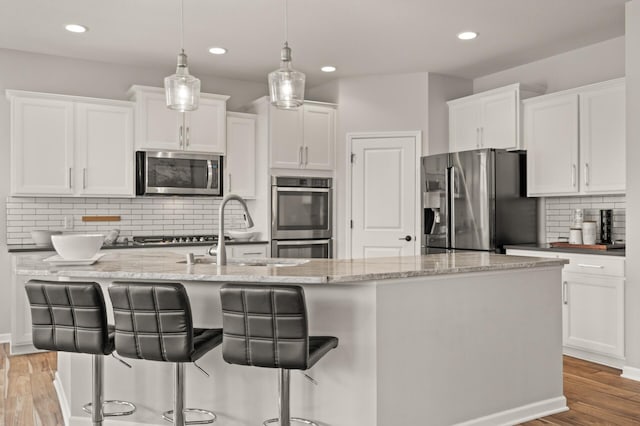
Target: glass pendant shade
x,y
286,85
182,90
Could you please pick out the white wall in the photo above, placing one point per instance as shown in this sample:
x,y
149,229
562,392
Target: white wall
x,y
632,286
591,64
26,71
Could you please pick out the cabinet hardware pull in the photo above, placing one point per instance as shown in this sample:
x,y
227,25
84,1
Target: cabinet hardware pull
x,y
70,181
253,253
477,137
586,265
180,137
573,175
84,178
300,156
188,138
564,293
481,137
586,174
229,183
306,155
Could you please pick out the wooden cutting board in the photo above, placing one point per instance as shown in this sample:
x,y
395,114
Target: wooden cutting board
x,y
564,244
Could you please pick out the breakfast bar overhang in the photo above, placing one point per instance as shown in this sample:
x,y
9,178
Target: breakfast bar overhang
x,y
460,338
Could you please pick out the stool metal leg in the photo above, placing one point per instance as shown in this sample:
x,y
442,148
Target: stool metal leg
x,y
177,415
97,395
284,403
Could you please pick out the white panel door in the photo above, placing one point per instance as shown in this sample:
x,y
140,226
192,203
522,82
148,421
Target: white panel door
x,y
499,121
464,126
206,127
240,161
602,139
383,197
551,138
286,137
41,147
104,150
158,127
319,137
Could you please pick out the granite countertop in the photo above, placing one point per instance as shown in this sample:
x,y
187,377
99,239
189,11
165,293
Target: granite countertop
x,y
162,265
32,248
546,247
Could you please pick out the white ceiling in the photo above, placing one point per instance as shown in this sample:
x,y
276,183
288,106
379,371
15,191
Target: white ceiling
x,y
358,36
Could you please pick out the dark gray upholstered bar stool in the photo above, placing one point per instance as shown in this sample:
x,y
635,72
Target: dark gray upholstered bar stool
x,y
266,326
72,317
153,322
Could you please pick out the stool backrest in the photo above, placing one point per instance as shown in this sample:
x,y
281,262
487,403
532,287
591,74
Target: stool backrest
x,y
69,317
153,321
265,326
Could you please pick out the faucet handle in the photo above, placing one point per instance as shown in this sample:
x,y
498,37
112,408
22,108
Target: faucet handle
x,y
211,251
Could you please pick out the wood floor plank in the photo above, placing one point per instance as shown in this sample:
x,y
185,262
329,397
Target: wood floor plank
x,y
45,401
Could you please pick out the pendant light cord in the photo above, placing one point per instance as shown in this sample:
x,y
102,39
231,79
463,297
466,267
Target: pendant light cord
x,y
286,35
182,26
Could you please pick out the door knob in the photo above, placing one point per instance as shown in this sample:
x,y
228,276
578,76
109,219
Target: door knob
x,y
407,238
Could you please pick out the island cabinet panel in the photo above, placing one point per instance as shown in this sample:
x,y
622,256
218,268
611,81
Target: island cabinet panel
x,y
160,128
575,141
70,146
592,305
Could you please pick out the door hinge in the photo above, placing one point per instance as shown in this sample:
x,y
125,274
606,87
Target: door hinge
x,y
353,158
351,224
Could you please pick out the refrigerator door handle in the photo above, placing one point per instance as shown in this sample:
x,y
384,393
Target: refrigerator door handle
x,y
451,187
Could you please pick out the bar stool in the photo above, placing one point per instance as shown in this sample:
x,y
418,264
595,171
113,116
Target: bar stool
x,y
153,322
72,317
266,326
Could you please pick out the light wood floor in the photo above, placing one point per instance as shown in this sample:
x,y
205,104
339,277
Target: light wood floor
x,y
596,394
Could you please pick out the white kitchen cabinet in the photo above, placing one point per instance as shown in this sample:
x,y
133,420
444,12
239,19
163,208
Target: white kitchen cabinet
x,y
240,161
70,146
593,305
575,141
248,251
303,138
489,119
160,128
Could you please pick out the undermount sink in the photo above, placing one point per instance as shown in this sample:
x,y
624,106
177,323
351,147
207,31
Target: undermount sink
x,y
208,260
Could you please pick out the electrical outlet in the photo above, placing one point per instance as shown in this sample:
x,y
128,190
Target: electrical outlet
x,y
68,222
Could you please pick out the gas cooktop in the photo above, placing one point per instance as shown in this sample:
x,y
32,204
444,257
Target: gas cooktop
x,y
175,239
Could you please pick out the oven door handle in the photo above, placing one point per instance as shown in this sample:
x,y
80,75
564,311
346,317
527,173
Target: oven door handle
x,y
301,242
301,189
209,174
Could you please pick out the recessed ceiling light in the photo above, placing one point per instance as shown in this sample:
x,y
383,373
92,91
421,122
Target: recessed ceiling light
x,y
467,35
218,50
75,28
328,68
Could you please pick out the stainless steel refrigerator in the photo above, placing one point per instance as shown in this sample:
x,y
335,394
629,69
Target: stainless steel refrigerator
x,y
476,200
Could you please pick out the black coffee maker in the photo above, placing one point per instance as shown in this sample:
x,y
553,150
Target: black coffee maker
x,y
606,222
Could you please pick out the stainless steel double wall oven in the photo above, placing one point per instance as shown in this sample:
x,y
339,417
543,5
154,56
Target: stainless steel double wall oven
x,y
301,223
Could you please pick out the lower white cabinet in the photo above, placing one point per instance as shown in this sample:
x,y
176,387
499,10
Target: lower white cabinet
x,y
249,251
592,305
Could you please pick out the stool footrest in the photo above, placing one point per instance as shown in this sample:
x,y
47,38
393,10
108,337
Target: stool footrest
x,y
131,410
168,416
293,419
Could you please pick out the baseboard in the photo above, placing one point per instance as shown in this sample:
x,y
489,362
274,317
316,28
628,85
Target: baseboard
x,y
521,414
632,373
5,337
62,399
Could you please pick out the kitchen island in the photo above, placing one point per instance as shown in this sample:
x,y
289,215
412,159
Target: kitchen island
x,y
463,338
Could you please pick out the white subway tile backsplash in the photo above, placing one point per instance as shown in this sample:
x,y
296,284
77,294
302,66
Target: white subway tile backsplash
x,y
139,216
559,214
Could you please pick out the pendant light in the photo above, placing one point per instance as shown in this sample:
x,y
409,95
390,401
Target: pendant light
x,y
286,85
182,90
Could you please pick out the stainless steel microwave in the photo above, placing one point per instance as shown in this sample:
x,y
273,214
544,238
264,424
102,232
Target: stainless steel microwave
x,y
178,173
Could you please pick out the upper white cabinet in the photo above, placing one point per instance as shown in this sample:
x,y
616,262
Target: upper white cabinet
x,y
240,161
486,120
159,128
575,141
70,146
303,138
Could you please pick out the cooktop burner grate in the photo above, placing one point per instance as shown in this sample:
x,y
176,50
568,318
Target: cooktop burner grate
x,y
176,239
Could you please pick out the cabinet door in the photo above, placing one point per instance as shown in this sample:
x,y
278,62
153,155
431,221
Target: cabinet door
x,y
464,126
319,137
499,121
551,138
104,150
157,127
286,137
41,147
249,251
240,161
205,129
602,139
594,313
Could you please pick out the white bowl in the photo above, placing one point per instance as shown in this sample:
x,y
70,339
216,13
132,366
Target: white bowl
x,y
42,237
77,246
242,235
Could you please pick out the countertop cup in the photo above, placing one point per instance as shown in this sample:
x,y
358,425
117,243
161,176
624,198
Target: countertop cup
x,y
589,232
575,236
